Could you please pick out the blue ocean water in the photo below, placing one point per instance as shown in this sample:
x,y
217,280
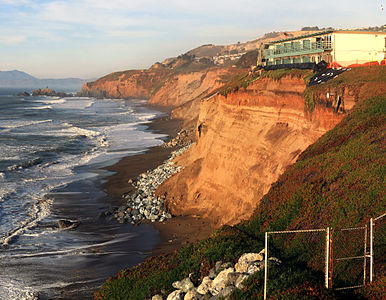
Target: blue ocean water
x,y
51,153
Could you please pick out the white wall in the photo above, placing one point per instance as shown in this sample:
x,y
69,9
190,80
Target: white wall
x,y
352,48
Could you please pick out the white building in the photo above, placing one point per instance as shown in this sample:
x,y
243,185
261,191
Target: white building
x,y
344,47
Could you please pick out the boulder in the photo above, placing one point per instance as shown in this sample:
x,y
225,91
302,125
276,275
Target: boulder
x,y
205,285
274,261
246,259
221,281
212,273
239,282
185,285
217,266
192,295
67,224
176,295
226,292
254,267
232,277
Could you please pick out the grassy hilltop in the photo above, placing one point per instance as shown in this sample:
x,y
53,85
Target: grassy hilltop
x,y
338,182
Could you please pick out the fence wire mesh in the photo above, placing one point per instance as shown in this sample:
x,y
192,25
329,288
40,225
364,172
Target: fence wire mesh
x,y
348,252
304,247
379,246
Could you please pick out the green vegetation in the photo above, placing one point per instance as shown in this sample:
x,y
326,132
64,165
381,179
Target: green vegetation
x,y
281,73
243,80
156,275
339,181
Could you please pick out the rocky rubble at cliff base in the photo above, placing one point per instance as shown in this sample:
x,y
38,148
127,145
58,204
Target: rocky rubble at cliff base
x,y
222,280
183,138
143,204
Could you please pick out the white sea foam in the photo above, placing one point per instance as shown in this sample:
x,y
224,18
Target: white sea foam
x,y
16,289
73,250
39,210
40,107
12,124
51,101
145,117
75,103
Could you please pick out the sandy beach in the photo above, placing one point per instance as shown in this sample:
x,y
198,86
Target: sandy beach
x,y
178,231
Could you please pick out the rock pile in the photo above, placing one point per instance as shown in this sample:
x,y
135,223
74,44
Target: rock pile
x,y
143,204
222,280
183,138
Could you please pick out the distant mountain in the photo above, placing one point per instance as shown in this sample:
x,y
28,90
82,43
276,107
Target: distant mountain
x,y
22,80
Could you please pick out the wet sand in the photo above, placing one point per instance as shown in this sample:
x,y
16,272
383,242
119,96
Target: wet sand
x,y
178,231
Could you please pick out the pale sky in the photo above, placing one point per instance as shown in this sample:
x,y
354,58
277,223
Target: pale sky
x,y
91,38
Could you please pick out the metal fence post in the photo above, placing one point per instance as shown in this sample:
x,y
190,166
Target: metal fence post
x,y
371,249
331,260
266,266
327,256
365,256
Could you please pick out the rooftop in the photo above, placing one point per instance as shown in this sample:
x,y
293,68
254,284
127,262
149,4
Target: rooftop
x,y
322,33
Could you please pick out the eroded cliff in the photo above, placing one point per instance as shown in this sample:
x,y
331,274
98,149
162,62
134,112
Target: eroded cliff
x,y
140,84
246,140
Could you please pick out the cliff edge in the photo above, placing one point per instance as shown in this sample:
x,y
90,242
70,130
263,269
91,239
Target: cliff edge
x,y
245,140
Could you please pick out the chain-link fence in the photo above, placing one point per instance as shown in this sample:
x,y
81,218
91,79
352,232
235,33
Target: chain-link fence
x,y
379,246
341,258
348,263
300,247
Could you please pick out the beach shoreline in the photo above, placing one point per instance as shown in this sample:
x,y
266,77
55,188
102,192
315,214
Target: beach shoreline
x,y
178,231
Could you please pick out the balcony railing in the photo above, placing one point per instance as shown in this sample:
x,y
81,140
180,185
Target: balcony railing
x,y
314,47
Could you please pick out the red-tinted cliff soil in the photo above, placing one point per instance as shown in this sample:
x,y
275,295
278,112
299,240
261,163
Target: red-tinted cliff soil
x,y
140,84
247,139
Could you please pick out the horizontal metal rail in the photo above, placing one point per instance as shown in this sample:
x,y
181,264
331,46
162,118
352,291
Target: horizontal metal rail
x,y
348,258
297,231
380,217
348,287
352,228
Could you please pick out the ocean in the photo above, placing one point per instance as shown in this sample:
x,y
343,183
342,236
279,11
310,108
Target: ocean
x,y
52,154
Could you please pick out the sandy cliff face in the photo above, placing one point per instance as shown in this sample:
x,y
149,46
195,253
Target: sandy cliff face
x,y
184,87
247,140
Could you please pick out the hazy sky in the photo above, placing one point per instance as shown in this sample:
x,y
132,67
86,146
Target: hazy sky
x,y
90,38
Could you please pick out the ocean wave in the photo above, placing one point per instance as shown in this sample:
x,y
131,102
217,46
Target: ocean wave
x,y
88,249
16,289
145,117
79,131
75,103
25,164
6,126
51,101
40,209
40,107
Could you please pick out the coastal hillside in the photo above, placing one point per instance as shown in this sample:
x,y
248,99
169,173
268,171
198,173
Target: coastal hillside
x,y
337,181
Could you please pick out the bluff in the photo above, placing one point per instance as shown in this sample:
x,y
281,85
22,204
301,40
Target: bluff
x,y
246,139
